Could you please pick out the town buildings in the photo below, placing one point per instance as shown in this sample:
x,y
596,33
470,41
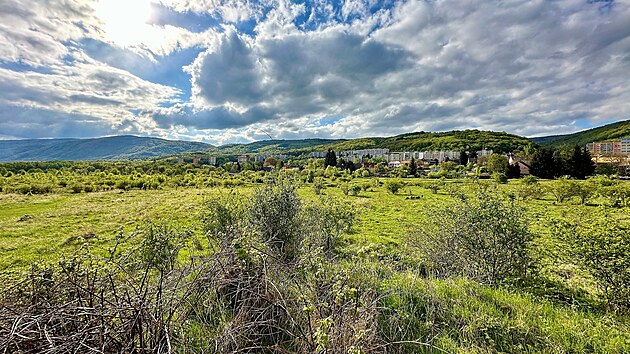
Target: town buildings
x,y
610,148
399,157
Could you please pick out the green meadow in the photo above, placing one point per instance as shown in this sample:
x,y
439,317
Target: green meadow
x,y
556,308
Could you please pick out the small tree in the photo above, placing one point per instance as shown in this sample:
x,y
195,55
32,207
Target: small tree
x,y
345,188
436,185
584,191
562,189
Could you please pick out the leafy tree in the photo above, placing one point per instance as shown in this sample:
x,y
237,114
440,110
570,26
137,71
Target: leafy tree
x,y
497,164
584,191
270,162
529,188
562,189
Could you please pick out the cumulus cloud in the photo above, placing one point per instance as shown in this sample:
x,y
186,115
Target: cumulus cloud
x,y
27,122
528,67
330,69
220,117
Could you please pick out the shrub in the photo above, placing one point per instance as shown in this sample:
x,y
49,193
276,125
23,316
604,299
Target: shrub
x,y
500,177
529,190
327,220
484,238
355,189
221,215
435,186
345,188
617,195
274,213
602,247
318,185
529,180
76,188
584,191
41,188
393,186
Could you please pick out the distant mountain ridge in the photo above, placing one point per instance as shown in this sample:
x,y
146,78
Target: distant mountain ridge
x,y
107,148
134,147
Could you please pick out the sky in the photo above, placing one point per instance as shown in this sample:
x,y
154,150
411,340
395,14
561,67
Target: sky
x,y
233,71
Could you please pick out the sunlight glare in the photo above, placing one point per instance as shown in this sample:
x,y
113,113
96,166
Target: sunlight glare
x,y
125,22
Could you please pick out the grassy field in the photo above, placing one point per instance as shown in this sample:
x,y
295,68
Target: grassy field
x,y
43,227
559,313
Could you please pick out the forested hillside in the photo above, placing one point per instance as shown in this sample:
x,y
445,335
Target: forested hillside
x,y
452,140
608,132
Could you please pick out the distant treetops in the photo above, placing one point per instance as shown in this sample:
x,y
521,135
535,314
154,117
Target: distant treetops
x,y
547,163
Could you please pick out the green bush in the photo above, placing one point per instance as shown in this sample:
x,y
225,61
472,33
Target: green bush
x,y
435,186
529,188
274,213
345,188
529,180
318,185
602,247
484,238
393,186
76,188
355,189
499,177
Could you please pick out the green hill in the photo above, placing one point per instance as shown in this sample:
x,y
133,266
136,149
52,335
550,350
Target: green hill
x,y
608,132
422,141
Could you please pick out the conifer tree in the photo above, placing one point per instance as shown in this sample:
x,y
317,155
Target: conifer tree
x,y
331,159
413,167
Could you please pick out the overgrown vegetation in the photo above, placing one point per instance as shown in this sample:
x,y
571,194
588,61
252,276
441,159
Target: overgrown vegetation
x,y
285,262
